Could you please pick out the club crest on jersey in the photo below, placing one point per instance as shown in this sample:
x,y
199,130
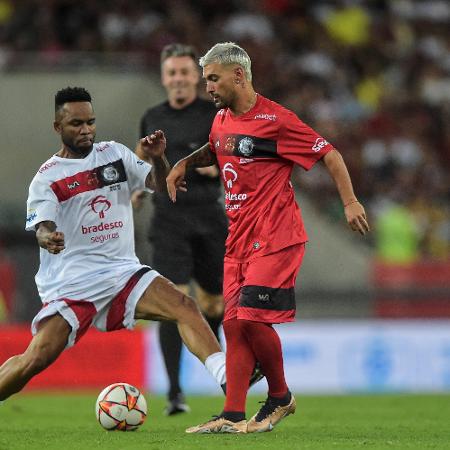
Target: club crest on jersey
x,y
246,146
100,205
110,174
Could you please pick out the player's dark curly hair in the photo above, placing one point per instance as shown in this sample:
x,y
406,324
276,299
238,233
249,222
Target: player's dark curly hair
x,y
71,94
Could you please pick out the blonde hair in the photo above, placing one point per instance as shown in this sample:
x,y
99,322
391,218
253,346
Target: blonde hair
x,y
228,53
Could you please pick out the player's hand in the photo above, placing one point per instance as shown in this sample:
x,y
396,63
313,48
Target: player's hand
x,y
154,144
175,180
356,217
52,241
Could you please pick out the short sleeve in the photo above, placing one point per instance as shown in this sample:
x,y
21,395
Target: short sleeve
x,y
299,143
137,169
42,203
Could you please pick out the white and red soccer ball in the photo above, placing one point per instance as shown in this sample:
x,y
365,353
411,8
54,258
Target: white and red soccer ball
x,y
121,406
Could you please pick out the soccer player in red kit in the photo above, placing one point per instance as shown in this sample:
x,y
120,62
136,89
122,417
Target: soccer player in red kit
x,y
256,143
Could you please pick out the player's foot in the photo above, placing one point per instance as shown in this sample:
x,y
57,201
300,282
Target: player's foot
x,y
176,405
257,375
273,410
219,424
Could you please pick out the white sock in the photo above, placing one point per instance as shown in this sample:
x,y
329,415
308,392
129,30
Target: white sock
x,y
215,364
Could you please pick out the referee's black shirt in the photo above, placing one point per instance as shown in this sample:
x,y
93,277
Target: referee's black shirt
x,y
186,130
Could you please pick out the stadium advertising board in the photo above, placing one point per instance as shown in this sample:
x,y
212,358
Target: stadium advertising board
x,y
342,357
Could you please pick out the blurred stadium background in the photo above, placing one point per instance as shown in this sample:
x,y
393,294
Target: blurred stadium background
x,y
373,77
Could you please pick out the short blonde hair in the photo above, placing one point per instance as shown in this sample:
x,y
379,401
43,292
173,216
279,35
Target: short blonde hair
x,y
228,53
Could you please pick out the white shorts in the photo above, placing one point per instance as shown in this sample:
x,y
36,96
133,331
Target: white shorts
x,y
111,310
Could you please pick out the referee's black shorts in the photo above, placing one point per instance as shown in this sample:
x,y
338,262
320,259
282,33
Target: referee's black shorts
x,y
189,243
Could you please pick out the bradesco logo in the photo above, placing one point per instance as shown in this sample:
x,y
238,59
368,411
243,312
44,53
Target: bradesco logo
x,y
229,175
100,205
101,227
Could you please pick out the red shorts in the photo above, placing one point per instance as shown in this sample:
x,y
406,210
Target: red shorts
x,y
263,289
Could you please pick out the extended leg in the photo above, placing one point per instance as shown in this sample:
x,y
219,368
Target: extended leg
x,y
163,301
44,349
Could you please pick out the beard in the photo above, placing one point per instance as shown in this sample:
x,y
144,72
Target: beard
x,y
224,101
76,149
220,103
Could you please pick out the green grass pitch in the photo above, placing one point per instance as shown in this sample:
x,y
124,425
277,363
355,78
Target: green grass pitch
x,y
48,421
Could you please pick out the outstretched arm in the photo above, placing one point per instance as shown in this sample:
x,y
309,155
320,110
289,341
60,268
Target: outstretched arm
x,y
354,211
203,157
151,149
48,238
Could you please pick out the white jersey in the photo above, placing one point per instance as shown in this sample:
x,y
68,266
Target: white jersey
x,y
89,200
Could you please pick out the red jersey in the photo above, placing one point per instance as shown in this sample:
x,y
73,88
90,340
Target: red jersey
x,y
256,153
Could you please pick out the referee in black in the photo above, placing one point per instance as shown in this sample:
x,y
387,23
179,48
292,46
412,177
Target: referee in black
x,y
188,237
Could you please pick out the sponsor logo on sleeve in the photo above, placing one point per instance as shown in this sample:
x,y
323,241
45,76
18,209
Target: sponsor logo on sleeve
x,y
102,147
319,144
47,166
31,216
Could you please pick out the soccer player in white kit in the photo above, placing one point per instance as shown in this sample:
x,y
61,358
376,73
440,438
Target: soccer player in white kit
x,y
79,205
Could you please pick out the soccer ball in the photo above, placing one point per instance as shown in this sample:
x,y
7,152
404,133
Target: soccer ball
x,y
121,406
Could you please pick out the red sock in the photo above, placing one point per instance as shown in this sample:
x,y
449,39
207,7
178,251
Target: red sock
x,y
240,363
266,346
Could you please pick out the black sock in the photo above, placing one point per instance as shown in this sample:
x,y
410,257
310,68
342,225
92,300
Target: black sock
x,y
233,416
282,401
171,343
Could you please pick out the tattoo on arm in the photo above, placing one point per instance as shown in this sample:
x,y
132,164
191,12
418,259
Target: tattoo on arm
x,y
203,157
